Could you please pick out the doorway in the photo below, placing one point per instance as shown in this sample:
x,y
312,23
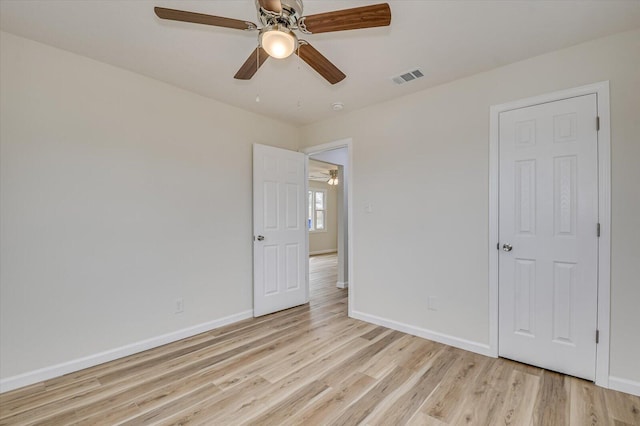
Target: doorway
x,y
339,154
280,226
323,207
549,231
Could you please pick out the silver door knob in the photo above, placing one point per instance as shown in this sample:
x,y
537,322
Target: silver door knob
x,y
260,238
507,247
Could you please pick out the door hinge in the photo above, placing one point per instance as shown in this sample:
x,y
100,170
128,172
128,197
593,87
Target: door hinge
x,y
597,123
597,336
598,230
498,246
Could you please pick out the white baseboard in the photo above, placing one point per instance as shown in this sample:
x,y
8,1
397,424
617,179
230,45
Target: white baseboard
x,y
624,385
342,284
327,251
467,345
35,376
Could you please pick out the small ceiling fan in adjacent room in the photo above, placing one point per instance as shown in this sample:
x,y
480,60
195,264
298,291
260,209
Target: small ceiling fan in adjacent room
x,y
276,37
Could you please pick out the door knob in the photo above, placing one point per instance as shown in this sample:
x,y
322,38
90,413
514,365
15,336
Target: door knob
x,y
507,247
260,238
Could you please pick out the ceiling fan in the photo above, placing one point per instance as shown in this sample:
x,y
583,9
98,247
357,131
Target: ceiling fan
x,y
279,18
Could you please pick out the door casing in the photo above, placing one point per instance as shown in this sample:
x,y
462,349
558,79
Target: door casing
x,y
601,90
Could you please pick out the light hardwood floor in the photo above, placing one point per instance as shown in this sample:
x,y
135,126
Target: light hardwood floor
x,y
314,365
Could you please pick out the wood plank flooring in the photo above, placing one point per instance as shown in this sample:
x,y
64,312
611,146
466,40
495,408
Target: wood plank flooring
x,y
313,365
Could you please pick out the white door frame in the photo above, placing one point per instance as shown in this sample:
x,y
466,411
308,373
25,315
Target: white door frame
x,y
316,149
601,90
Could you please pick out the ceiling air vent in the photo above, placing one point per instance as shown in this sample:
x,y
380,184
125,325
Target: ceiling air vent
x,y
407,76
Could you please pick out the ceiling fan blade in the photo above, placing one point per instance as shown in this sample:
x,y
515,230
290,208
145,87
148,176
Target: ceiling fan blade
x,y
377,15
251,65
322,65
271,5
201,18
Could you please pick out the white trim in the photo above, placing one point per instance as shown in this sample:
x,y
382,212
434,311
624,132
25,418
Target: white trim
x,y
317,149
624,385
342,284
467,345
327,251
343,143
494,184
604,242
306,236
46,373
601,90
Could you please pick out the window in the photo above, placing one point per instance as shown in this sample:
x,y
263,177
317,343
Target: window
x,y
317,210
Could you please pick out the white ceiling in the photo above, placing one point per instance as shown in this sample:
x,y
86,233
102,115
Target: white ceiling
x,y
445,39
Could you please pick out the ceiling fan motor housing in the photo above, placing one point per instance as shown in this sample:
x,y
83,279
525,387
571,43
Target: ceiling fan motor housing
x,y
291,12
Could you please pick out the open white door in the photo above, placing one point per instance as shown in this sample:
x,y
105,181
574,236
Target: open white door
x,y
279,217
548,266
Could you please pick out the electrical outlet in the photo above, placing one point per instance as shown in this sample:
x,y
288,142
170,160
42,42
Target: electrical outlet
x,y
179,306
432,303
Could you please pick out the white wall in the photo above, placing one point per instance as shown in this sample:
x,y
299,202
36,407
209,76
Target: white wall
x,y
119,195
422,163
326,241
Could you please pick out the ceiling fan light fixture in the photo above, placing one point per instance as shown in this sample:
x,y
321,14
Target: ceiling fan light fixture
x,y
333,180
279,42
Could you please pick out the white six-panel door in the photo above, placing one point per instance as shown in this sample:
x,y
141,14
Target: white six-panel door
x,y
548,215
279,217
